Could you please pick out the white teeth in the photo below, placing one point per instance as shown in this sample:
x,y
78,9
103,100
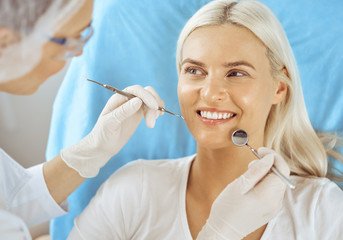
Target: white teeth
x,y
215,115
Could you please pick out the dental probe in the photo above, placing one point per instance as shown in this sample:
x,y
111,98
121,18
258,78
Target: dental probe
x,y
129,96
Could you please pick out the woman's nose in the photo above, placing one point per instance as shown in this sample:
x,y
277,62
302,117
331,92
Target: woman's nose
x,y
214,90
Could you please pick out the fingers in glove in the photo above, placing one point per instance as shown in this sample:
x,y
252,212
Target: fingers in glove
x,y
127,109
256,172
114,102
151,115
270,191
263,151
279,162
157,97
146,96
270,183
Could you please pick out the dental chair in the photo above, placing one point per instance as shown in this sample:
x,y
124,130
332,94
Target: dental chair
x,y
134,42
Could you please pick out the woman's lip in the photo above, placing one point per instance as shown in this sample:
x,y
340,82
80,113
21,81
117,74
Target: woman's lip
x,y
213,121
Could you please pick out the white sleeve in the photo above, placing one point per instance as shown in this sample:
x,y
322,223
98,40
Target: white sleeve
x,y
329,212
114,212
25,193
33,203
12,227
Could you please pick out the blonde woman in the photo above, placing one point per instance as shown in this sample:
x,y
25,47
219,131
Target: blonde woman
x,y
36,40
236,71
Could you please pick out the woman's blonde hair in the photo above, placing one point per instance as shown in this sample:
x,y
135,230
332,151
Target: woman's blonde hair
x,y
288,129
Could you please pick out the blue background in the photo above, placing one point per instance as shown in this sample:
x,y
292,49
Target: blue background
x,y
135,43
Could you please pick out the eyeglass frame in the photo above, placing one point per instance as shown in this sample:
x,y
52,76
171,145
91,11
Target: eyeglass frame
x,y
77,43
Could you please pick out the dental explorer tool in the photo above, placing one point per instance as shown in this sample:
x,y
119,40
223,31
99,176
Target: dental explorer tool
x,y
129,96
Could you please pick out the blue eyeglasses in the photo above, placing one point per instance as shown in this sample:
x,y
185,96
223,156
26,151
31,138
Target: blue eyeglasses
x,y
73,45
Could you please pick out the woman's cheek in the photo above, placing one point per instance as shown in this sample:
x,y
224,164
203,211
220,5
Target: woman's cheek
x,y
187,94
185,88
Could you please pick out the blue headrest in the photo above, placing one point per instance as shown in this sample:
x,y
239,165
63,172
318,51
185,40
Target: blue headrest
x,y
135,43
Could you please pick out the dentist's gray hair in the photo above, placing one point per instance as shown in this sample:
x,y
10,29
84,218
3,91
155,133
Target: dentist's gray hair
x,y
29,24
288,129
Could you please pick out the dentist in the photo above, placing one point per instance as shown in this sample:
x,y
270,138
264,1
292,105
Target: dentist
x,y
36,39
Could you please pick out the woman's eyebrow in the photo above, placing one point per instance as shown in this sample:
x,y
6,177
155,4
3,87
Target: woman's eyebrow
x,y
230,64
189,60
239,63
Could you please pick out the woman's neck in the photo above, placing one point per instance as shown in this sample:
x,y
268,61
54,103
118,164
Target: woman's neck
x,y
210,172
213,170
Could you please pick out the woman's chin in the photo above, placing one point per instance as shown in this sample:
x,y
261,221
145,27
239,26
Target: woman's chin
x,y
214,145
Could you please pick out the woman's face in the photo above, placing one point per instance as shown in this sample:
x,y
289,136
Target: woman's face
x,y
49,64
225,84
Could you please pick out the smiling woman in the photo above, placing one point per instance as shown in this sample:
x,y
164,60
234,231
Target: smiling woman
x,y
236,71
227,72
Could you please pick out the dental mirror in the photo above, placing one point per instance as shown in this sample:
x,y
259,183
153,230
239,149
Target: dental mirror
x,y
240,138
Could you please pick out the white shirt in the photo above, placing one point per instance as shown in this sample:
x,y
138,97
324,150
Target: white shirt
x,y
146,200
24,198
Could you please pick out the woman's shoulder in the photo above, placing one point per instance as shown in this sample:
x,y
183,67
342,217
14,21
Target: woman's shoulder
x,y
313,188
139,180
142,170
312,193
169,165
313,210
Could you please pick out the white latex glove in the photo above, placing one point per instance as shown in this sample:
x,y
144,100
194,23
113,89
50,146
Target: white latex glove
x,y
115,125
249,202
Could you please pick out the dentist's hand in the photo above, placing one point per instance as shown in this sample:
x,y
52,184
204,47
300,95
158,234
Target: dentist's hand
x,y
116,124
249,202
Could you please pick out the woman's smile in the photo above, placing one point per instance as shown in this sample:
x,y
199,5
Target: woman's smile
x,y
214,116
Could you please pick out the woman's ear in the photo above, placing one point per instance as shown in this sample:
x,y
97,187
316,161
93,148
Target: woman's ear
x,y
281,89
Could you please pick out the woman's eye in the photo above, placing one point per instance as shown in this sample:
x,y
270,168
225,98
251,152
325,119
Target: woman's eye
x,y
236,74
193,71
